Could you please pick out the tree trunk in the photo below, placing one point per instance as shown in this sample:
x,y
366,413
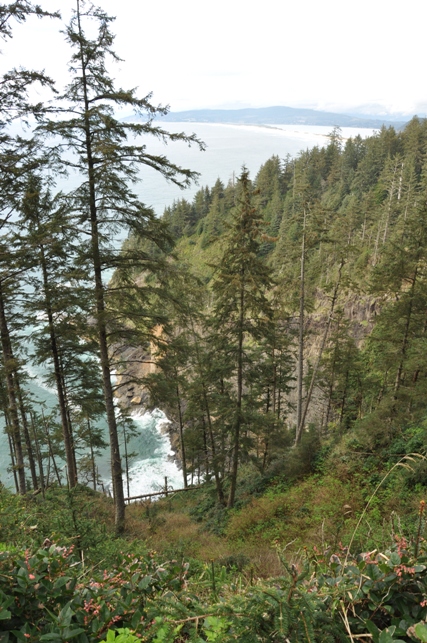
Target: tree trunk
x,y
215,467
38,453
404,346
300,373
238,418
116,466
10,373
27,438
181,434
52,456
205,449
92,454
319,357
12,452
126,461
66,428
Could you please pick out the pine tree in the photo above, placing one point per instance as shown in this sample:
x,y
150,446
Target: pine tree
x,y
107,161
241,312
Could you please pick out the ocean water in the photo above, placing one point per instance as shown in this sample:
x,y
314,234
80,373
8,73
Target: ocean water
x,y
155,459
229,148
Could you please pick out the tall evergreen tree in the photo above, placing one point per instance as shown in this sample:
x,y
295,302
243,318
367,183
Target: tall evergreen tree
x,y
106,156
242,311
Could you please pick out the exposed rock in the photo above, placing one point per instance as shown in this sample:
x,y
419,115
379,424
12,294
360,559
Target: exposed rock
x,y
133,364
136,400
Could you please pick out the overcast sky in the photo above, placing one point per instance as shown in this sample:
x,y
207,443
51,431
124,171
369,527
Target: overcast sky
x,y
328,54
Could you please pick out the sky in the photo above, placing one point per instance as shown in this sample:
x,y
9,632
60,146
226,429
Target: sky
x,y
367,56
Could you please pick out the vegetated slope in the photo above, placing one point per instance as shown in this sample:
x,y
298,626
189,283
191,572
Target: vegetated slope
x,y
354,215
84,584
344,364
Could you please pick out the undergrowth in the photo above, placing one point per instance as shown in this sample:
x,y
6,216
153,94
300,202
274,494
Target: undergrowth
x,y
282,567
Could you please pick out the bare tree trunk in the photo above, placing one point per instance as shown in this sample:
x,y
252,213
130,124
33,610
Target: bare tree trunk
x,y
319,357
300,372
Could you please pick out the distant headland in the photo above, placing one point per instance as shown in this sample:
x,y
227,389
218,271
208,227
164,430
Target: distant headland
x,y
278,116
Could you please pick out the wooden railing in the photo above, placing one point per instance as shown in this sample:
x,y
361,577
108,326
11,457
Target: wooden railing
x,y
166,491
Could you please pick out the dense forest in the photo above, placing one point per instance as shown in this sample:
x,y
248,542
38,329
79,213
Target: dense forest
x,y
302,314
283,320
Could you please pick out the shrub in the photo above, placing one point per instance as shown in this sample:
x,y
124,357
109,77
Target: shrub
x,y
48,596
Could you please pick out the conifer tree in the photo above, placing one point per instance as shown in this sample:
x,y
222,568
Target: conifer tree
x,y
43,234
241,310
106,154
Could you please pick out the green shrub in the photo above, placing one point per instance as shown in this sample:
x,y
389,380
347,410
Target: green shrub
x,y
48,596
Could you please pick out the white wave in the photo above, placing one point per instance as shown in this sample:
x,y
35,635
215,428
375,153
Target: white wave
x,y
147,475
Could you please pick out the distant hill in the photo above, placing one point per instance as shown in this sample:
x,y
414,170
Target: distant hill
x,y
276,116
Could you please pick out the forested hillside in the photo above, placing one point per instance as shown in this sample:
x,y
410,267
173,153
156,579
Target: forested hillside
x,y
300,308
280,321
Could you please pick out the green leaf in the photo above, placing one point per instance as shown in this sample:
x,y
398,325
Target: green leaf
x,y
70,634
145,582
4,614
395,558
60,582
421,631
386,636
372,628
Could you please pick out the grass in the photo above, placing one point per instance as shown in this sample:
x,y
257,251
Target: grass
x,y
319,512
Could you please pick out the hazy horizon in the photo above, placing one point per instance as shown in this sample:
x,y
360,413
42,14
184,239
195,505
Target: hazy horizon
x,y
367,60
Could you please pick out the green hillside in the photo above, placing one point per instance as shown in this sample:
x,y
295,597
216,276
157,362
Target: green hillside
x,y
338,241
280,321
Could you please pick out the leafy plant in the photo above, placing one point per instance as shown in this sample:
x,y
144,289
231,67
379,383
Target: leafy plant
x,y
122,635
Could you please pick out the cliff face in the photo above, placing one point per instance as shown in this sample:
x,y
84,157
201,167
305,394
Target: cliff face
x,y
360,313
133,364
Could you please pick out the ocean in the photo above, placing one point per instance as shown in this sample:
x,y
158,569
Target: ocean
x,y
228,149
